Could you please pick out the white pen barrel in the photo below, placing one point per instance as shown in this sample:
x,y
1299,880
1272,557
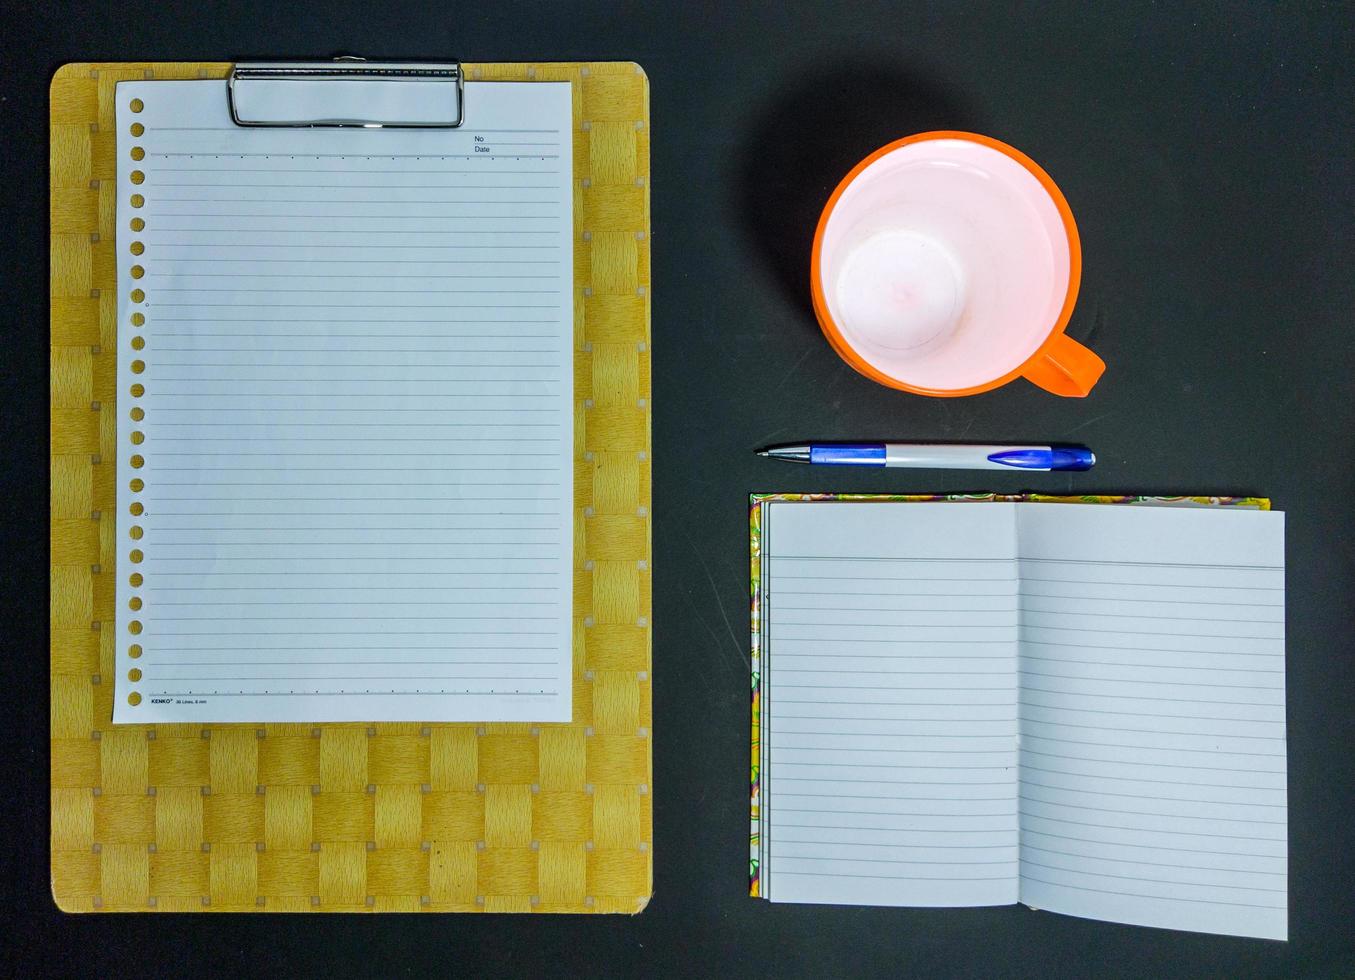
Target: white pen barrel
x,y
948,457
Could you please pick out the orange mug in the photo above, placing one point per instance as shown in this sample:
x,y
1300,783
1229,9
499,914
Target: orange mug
x,y
948,264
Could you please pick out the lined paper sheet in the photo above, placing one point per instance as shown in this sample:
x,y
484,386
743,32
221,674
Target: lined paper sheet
x,y
356,495
889,705
1144,647
1153,716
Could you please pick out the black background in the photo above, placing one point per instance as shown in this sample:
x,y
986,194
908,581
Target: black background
x,y
1206,150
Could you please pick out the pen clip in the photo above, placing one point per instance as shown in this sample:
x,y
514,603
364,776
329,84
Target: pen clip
x,y
1069,458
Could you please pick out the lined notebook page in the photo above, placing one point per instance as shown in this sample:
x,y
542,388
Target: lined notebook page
x,y
1153,716
345,363
889,704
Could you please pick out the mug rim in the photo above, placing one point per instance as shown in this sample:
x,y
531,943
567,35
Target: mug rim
x,y
833,332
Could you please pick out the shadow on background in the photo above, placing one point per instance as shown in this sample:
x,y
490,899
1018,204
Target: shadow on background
x,y
800,146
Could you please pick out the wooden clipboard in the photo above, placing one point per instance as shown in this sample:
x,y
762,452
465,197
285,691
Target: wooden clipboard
x,y
356,817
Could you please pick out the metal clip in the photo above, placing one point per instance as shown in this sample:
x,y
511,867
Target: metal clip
x,y
427,95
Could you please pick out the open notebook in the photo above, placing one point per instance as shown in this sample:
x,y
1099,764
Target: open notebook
x,y
345,425
1074,706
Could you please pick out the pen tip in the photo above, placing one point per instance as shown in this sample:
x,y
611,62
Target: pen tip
x,y
764,452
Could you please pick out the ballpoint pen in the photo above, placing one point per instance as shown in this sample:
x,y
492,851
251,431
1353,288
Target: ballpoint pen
x,y
937,456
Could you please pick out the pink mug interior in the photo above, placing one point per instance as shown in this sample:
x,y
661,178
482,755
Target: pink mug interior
x,y
945,264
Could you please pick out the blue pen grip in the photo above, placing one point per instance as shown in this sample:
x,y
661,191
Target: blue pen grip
x,y
848,455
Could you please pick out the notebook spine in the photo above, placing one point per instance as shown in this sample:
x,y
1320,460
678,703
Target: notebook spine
x,y
136,322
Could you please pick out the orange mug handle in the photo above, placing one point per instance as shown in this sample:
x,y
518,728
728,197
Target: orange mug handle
x,y
1065,367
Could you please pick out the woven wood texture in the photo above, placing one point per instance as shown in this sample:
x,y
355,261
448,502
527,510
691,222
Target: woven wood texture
x,y
409,817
